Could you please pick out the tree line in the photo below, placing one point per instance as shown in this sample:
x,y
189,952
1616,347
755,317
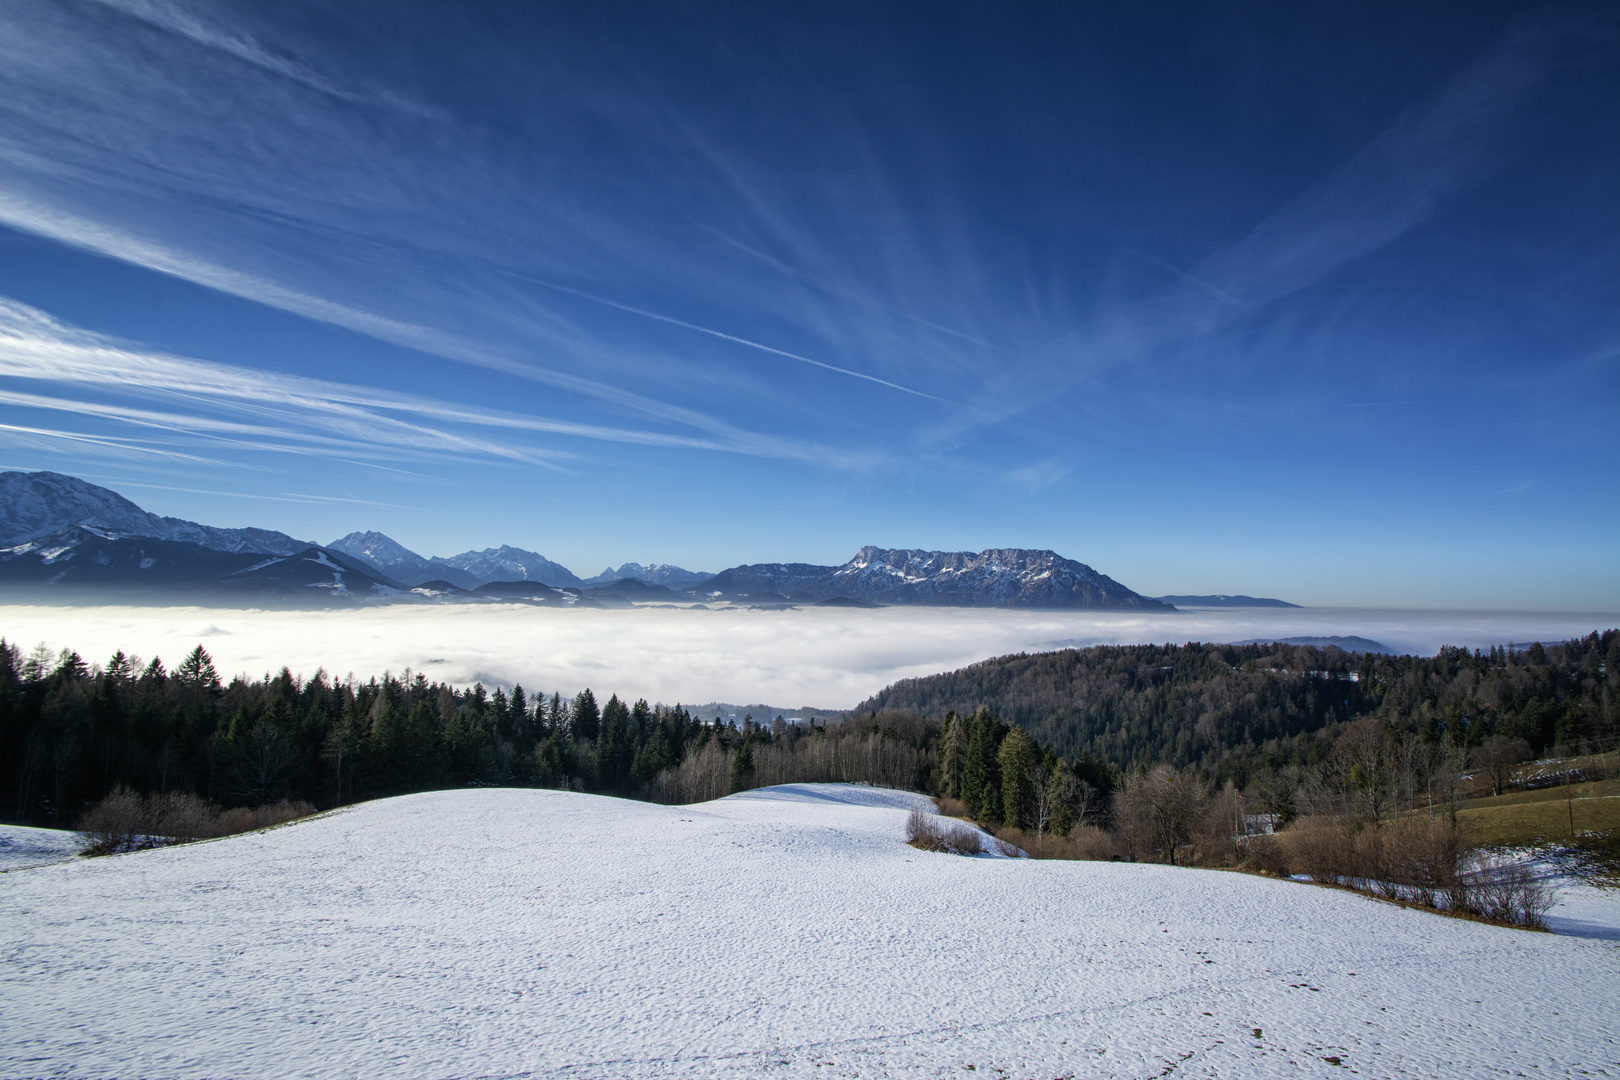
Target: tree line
x,y
75,733
1293,732
1236,712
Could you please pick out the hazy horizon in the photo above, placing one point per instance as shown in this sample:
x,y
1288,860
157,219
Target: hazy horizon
x,y
824,658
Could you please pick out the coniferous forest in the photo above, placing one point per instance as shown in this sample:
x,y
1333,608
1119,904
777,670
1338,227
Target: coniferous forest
x,y
73,732
1230,711
1002,736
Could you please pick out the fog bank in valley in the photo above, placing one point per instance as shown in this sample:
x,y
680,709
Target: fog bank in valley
x,y
827,658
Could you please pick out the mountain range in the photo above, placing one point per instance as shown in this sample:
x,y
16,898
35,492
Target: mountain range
x,y
657,574
468,570
60,531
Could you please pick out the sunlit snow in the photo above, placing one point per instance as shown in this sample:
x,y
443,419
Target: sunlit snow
x,y
784,932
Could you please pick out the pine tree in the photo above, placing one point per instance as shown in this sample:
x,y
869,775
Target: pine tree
x,y
587,718
615,749
742,767
952,749
975,767
197,670
653,758
1016,756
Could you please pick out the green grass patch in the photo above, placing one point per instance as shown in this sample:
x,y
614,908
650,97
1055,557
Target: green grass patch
x,y
1541,817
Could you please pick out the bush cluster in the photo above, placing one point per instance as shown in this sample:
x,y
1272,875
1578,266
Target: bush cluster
x,y
1414,860
129,821
930,832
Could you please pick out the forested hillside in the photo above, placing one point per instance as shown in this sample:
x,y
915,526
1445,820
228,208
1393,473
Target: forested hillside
x,y
1229,708
1267,718
72,733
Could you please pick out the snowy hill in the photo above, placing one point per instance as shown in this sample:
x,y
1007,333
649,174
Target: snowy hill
x,y
783,932
35,504
998,577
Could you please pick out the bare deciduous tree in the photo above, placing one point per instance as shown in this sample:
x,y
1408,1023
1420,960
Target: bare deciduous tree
x,y
1161,809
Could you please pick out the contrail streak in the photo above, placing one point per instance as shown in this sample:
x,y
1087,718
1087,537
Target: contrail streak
x,y
739,340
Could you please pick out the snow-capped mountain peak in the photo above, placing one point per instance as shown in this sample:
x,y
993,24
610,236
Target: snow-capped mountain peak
x,y
37,503
665,574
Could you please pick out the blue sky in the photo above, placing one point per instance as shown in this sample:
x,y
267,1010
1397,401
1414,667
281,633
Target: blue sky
x,y
1297,300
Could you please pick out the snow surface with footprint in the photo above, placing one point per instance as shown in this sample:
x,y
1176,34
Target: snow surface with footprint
x,y
785,931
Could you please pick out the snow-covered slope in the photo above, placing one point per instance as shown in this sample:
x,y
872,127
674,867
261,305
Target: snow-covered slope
x,y
35,504
998,577
21,846
785,932
81,560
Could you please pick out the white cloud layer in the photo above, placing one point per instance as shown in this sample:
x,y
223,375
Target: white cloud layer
x,y
823,658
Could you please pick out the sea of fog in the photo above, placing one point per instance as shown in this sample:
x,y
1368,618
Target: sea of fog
x,y
823,657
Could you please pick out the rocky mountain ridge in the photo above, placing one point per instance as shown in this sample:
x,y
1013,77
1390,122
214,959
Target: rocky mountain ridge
x,y
670,576
107,565
996,577
35,504
58,530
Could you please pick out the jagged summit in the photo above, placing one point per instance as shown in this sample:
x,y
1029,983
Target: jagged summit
x,y
666,574
397,561
997,577
376,547
507,563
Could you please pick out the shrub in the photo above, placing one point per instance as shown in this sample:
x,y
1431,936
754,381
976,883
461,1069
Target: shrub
x,y
1507,891
929,832
1319,848
1083,842
127,821
1007,848
245,819
1090,842
1264,855
116,823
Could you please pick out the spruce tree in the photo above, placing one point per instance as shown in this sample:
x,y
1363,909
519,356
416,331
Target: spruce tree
x,y
952,748
742,767
1016,756
587,718
975,766
197,670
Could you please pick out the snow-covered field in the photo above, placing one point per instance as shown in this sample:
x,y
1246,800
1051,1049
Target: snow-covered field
x,y
824,657
786,931
21,846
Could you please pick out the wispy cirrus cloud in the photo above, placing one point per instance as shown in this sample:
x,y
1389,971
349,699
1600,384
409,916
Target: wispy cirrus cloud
x,y
188,24
229,405
1397,182
90,235
340,215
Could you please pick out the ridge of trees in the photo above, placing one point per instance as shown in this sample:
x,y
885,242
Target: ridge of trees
x,y
74,734
1300,732
1235,712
